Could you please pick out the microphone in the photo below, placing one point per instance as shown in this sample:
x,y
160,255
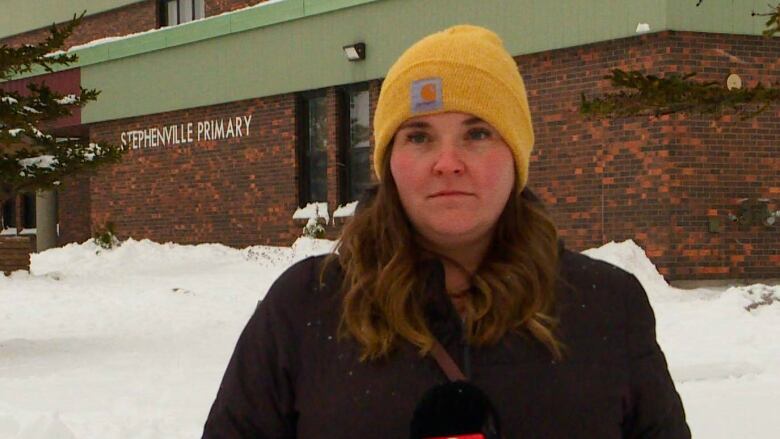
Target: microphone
x,y
455,410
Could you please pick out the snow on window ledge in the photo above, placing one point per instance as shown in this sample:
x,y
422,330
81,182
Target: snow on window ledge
x,y
8,232
28,232
345,210
312,210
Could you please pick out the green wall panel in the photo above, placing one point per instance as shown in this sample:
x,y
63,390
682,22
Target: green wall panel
x,y
319,6
17,16
267,15
292,45
93,54
721,16
129,47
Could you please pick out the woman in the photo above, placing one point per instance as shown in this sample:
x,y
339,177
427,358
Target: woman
x,y
453,252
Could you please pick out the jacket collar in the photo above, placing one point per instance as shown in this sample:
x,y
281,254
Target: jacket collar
x,y
443,320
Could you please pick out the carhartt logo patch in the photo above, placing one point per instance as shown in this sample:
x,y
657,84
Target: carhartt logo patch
x,y
426,95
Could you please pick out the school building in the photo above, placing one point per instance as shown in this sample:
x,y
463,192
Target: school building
x,y
237,114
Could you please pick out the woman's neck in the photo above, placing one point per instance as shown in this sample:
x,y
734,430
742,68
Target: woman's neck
x,y
464,256
460,263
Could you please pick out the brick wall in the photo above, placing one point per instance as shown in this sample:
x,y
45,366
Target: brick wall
x,y
657,181
216,7
74,209
240,191
137,17
15,253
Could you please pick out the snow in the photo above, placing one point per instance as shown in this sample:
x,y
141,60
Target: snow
x,y
67,100
39,134
42,161
8,100
345,210
313,210
31,110
642,28
105,40
94,149
14,132
630,257
132,342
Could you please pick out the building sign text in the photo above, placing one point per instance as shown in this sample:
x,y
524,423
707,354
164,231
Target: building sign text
x,y
189,132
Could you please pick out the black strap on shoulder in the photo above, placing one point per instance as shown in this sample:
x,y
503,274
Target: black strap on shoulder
x,y
446,363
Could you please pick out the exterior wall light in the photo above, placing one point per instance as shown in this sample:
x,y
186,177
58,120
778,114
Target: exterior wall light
x,y
355,52
733,82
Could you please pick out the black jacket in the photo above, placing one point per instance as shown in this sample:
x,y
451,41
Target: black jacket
x,y
289,377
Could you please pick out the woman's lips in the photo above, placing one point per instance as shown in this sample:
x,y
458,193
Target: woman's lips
x,y
448,193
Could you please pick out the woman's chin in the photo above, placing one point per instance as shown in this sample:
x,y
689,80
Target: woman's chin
x,y
454,234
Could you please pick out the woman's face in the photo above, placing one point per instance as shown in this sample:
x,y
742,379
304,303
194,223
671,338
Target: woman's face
x,y
454,174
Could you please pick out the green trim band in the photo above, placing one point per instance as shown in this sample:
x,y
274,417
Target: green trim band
x,y
261,15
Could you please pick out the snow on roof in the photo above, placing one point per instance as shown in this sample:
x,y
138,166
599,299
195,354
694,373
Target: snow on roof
x,y
105,40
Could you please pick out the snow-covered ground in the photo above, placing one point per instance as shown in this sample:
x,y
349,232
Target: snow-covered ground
x,y
132,342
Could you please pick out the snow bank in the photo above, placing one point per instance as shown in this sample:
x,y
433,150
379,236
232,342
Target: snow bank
x,y
632,258
147,257
132,342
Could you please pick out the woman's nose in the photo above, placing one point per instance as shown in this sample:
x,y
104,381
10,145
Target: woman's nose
x,y
449,160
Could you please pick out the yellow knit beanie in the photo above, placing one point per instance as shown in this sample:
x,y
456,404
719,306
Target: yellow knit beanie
x,y
466,69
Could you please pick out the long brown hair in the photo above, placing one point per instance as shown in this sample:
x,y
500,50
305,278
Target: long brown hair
x,y
383,291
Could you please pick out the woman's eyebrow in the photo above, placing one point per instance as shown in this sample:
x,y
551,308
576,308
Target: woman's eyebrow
x,y
473,121
414,124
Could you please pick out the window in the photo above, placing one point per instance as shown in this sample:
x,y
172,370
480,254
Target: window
x,y
9,214
313,150
355,151
173,12
28,211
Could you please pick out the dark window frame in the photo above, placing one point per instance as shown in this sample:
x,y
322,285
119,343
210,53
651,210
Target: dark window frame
x,y
344,138
302,146
8,212
162,12
29,207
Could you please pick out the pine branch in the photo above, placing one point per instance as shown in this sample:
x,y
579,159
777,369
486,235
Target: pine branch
x,y
773,23
649,95
48,53
45,163
32,157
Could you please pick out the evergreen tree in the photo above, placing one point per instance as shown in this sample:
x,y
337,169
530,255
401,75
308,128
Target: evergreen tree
x,y
650,95
30,157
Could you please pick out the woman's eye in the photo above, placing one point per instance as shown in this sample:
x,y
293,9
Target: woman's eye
x,y
479,134
417,137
